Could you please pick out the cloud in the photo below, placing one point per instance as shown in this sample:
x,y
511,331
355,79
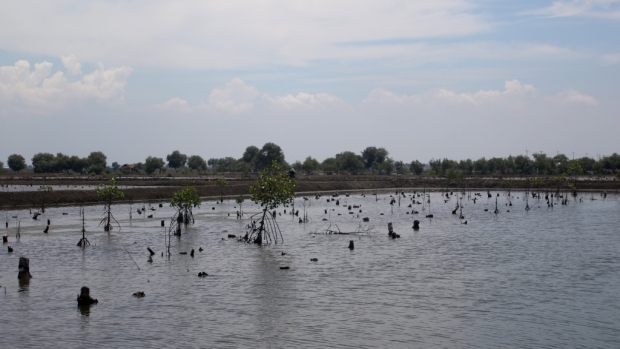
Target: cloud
x,y
303,101
611,58
609,9
512,88
177,104
574,97
36,90
71,64
227,34
234,97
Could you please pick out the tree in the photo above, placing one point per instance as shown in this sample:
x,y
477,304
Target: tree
x,y
16,162
416,167
97,162
401,167
250,156
183,201
273,188
61,163
115,166
221,183
373,157
1,166
176,159
195,162
151,164
310,165
108,194
329,165
349,161
77,164
269,153
43,162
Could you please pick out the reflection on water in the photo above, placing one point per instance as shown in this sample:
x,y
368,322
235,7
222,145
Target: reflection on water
x,y
549,277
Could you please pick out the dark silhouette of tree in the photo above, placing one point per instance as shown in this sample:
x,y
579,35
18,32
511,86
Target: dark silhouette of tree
x,y
97,162
195,162
176,159
269,153
16,162
152,164
43,162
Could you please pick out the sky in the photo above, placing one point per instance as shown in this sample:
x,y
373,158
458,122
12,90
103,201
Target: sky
x,y
424,79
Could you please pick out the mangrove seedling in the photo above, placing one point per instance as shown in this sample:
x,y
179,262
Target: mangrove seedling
x,y
183,201
44,189
108,194
273,188
221,183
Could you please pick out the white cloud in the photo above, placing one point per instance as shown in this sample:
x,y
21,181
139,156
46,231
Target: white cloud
x,y
574,97
234,97
226,34
587,8
37,90
512,89
174,104
304,101
71,64
611,58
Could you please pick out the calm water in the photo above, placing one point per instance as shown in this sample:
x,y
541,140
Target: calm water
x,y
547,278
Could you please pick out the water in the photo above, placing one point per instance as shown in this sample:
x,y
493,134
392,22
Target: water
x,y
547,278
10,188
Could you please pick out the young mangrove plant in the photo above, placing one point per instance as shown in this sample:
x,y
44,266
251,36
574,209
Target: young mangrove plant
x,y
45,189
108,194
239,200
183,201
273,188
221,183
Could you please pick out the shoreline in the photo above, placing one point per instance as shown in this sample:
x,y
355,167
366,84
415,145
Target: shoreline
x,y
239,186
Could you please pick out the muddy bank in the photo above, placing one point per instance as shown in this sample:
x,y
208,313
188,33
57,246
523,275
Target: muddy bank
x,y
206,187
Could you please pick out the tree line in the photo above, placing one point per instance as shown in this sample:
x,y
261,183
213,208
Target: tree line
x,y
372,159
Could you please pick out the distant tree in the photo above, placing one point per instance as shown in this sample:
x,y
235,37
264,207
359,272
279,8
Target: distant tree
x,y
350,162
43,162
374,157
16,162
61,163
115,166
97,162
108,194
77,164
269,153
1,166
227,164
401,167
416,167
195,162
250,156
310,165
387,166
329,165
296,165
523,165
243,167
176,159
152,164
480,166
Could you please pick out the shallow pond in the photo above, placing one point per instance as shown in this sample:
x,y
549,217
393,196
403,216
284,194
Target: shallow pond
x,y
548,278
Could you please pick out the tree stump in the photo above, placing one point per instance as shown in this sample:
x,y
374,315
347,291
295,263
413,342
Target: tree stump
x,y
351,245
84,297
24,268
5,239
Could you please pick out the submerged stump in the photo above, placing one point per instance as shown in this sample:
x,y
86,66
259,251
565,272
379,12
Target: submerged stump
x,y
84,297
24,268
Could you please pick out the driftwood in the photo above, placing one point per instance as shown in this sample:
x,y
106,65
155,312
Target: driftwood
x,y
150,251
24,268
360,230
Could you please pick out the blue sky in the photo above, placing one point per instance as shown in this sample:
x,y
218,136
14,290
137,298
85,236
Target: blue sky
x,y
424,79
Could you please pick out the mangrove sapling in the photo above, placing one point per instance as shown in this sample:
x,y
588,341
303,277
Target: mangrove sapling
x,y
183,201
221,183
239,200
83,241
273,188
44,189
108,194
